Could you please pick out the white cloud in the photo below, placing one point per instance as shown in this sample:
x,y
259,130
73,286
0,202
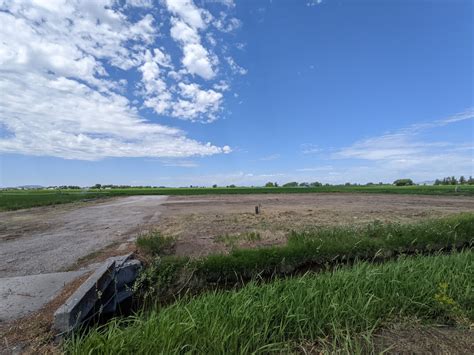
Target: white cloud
x,y
140,3
180,163
236,69
270,157
189,13
196,59
60,99
226,24
77,122
309,148
196,102
314,2
406,152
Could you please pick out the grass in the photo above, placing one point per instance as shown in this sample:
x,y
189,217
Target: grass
x,y
154,244
337,306
319,248
232,240
17,199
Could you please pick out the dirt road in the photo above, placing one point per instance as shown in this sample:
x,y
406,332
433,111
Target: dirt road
x,y
51,239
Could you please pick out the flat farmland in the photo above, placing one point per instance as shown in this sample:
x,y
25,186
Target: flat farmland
x,y
204,225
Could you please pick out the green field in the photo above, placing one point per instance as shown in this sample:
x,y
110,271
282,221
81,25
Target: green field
x,y
18,199
340,310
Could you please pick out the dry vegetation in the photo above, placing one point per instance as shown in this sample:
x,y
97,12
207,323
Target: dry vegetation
x,y
207,224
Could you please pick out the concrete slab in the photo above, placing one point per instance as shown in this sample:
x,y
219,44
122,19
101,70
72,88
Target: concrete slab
x,y
108,286
22,295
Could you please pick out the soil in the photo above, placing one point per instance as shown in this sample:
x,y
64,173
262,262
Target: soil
x,y
406,338
419,339
56,238
216,223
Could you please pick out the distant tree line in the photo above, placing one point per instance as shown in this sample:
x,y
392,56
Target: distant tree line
x,y
111,186
318,184
451,180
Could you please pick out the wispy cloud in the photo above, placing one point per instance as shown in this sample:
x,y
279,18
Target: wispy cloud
x,y
404,144
408,151
270,157
180,163
324,168
308,148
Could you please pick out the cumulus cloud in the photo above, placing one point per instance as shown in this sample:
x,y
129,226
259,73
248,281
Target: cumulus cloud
x,y
66,66
77,122
185,30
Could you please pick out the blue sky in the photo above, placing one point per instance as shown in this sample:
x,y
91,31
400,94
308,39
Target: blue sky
x,y
179,92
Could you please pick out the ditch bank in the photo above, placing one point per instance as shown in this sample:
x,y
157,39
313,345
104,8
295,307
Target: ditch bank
x,y
168,277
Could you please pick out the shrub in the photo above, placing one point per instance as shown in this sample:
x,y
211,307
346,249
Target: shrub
x,y
403,182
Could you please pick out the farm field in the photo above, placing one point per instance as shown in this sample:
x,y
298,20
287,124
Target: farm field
x,y
219,223
18,199
211,254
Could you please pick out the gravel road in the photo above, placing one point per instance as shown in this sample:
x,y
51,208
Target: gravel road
x,y
50,239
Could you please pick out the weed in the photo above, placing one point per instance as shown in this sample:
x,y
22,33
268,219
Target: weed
x,y
155,244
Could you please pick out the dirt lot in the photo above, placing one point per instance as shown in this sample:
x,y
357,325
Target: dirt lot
x,y
51,239
206,224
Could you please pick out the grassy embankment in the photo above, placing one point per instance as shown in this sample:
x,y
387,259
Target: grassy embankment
x,y
321,248
334,310
18,199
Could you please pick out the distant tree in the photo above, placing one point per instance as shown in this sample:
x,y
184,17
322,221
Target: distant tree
x,y
269,184
275,184
347,184
214,186
403,182
454,181
97,186
231,186
315,184
462,180
369,184
304,184
438,182
291,184
470,181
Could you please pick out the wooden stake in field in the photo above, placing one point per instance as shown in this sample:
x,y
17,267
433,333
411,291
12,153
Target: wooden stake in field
x,y
258,209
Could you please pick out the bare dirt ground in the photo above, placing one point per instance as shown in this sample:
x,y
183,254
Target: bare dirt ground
x,y
207,224
50,239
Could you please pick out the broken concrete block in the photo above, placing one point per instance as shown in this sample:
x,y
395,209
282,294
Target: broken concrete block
x,y
83,300
127,273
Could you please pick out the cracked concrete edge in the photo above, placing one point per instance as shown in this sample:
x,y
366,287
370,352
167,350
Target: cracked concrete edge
x,y
84,299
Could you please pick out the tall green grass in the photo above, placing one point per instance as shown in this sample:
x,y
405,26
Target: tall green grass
x,y
154,244
318,248
278,316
